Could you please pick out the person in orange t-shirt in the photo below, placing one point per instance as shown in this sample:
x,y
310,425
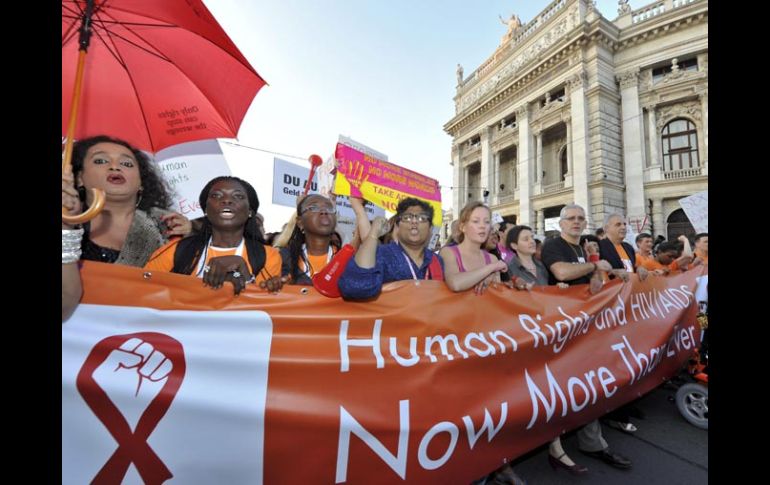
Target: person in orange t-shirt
x,y
666,261
229,246
701,249
644,243
310,247
616,251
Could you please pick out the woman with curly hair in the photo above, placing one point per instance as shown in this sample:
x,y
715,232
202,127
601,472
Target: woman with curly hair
x,y
229,245
135,220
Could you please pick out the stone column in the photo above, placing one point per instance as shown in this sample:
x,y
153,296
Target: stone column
x,y
658,224
458,180
523,156
540,222
539,160
487,167
633,165
568,176
579,124
704,157
656,173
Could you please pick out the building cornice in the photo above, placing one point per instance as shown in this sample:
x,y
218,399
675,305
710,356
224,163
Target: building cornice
x,y
663,24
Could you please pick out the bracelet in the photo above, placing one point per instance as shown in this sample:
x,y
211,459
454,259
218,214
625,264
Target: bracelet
x,y
70,245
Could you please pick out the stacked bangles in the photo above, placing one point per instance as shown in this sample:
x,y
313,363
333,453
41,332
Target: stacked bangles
x,y
70,245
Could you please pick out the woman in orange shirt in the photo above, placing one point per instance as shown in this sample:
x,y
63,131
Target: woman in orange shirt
x,y
310,246
229,246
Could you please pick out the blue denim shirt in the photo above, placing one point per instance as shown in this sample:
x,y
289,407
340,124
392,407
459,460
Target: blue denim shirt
x,y
357,283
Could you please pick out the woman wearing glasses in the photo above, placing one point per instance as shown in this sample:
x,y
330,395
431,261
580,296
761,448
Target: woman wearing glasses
x,y
408,258
229,246
310,245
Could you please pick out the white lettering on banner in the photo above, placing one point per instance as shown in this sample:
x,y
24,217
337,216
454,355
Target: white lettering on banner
x,y
487,426
412,360
398,461
640,364
345,343
443,342
348,425
422,452
558,333
612,316
658,303
550,404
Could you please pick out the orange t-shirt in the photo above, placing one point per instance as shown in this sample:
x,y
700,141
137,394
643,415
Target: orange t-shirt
x,y
163,259
641,259
652,264
317,263
624,258
701,256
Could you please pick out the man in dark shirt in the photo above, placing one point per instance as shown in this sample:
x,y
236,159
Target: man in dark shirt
x,y
567,262
565,259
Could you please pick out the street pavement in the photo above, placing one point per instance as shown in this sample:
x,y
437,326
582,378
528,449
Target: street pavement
x,y
665,449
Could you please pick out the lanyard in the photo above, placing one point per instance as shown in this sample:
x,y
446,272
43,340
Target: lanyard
x,y
409,263
306,260
202,261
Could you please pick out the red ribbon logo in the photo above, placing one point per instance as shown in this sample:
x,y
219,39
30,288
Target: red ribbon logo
x,y
153,357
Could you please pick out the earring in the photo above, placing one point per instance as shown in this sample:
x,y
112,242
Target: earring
x,y
138,197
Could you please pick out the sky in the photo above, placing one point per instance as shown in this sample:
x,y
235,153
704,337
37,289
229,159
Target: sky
x,y
382,72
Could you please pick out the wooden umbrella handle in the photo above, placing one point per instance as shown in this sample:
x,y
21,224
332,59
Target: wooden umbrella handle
x,y
66,165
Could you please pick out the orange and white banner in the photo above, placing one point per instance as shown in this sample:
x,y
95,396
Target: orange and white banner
x,y
163,378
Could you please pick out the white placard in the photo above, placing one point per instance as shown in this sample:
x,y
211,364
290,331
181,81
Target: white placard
x,y
187,168
289,182
696,207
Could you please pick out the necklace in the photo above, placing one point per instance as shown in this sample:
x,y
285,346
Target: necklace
x,y
202,261
309,270
580,257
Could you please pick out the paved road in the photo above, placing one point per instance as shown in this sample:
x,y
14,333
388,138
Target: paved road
x,y
665,449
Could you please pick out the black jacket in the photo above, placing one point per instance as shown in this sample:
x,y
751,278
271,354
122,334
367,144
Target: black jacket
x,y
607,251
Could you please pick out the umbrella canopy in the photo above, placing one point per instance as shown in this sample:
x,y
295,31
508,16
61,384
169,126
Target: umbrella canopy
x,y
157,73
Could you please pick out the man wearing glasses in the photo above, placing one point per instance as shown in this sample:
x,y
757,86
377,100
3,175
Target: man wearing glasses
x,y
407,259
566,262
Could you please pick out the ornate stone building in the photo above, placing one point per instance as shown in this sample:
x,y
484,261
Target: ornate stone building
x,y
573,107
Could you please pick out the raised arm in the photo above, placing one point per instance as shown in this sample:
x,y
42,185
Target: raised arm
x,y
366,256
362,220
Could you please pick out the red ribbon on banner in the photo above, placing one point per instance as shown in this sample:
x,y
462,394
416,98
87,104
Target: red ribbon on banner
x,y
133,446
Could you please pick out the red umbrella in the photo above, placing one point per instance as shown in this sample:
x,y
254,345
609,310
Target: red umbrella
x,y
156,73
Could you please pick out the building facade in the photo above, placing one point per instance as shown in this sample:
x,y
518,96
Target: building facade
x,y
573,107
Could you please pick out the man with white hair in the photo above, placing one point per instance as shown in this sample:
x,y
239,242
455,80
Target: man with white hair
x,y
566,262
616,251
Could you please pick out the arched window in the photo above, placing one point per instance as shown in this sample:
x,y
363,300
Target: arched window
x,y
679,224
564,168
680,145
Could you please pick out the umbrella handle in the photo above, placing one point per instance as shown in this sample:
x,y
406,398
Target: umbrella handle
x,y
86,216
66,165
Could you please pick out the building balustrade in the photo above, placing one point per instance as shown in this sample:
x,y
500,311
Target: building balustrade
x,y
682,174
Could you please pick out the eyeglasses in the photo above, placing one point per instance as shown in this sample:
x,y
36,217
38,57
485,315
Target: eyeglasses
x,y
411,217
320,209
574,218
